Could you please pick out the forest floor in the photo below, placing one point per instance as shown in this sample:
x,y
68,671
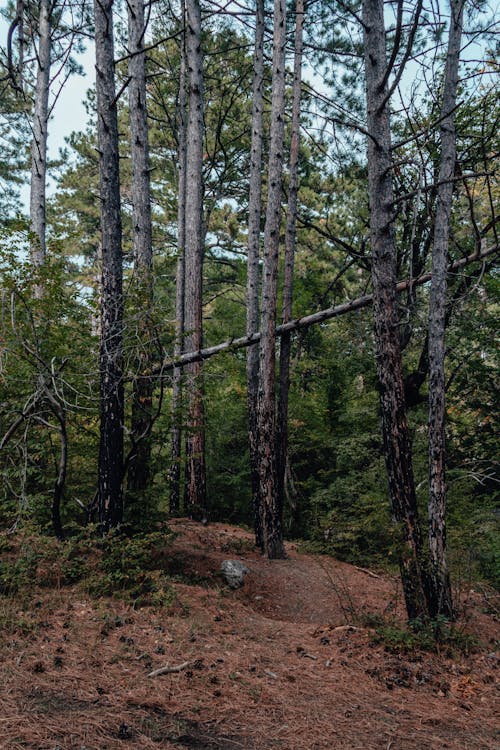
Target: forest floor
x,y
292,661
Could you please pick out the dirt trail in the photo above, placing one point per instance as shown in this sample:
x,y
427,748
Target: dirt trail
x,y
276,664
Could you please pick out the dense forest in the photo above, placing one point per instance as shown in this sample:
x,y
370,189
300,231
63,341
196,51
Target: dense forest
x,y
261,286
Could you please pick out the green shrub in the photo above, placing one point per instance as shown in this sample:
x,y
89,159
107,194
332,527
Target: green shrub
x,y
134,569
424,635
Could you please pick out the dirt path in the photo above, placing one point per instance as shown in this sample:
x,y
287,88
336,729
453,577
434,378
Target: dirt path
x,y
273,665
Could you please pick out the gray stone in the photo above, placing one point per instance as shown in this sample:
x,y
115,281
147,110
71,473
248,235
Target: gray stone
x,y
233,572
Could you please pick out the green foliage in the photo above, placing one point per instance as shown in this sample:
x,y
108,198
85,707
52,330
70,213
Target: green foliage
x,y
46,347
134,569
437,635
18,575
43,561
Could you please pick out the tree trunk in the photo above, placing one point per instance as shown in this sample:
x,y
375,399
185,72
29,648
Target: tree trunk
x,y
266,413
195,479
253,275
110,501
397,445
142,387
440,599
290,243
39,142
59,412
176,440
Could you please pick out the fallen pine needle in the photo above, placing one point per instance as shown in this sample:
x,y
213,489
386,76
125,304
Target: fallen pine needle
x,y
168,670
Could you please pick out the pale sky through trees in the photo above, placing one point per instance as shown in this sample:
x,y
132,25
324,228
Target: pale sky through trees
x,y
69,113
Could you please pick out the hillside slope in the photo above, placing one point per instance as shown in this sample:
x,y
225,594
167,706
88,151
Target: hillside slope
x,y
287,662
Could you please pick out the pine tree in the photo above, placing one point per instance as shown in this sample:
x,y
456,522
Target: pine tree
x,y
110,467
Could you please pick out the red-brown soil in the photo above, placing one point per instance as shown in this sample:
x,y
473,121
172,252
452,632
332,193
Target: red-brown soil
x,y
283,663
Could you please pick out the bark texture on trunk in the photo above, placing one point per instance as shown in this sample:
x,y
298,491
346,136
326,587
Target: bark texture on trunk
x,y
290,243
266,412
176,437
397,444
110,498
39,142
253,275
440,600
142,388
195,479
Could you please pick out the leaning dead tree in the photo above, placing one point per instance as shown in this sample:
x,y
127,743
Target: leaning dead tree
x,y
240,342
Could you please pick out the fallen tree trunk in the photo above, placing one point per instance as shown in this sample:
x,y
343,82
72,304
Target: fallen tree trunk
x,y
309,320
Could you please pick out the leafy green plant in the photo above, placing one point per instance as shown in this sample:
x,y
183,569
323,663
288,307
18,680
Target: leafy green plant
x,y
429,635
40,560
134,569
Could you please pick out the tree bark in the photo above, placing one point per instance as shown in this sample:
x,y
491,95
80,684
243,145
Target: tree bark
x,y
110,499
397,445
176,438
59,412
39,142
253,275
142,388
440,598
195,495
266,412
290,243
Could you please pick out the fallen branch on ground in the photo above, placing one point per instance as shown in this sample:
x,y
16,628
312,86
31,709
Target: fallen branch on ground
x,y
365,570
168,669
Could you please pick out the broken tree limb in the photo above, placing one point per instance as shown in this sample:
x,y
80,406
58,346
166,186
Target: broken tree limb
x,y
168,669
366,571
308,320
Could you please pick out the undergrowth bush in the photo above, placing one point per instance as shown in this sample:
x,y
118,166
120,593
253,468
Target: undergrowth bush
x,y
130,568
438,635
33,559
134,569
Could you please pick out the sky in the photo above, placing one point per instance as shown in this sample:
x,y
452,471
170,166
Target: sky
x,y
69,112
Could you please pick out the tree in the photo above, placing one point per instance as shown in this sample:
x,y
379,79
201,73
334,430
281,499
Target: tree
x,y
195,479
440,599
139,466
253,275
272,532
290,243
180,276
397,443
39,143
110,466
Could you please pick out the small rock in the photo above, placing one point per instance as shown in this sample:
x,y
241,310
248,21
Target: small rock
x,y
234,572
